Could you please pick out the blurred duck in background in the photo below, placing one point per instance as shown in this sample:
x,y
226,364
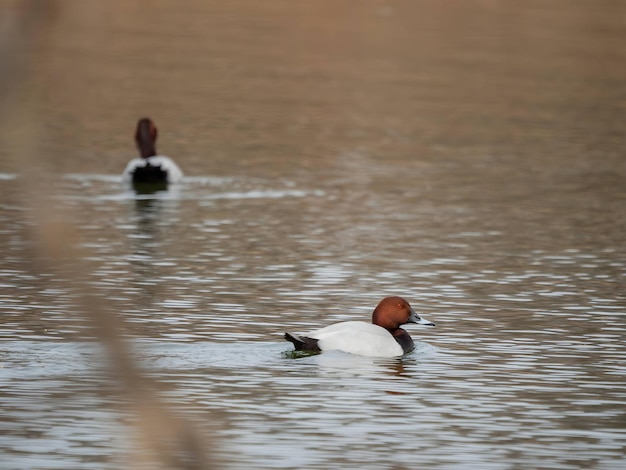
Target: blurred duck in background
x,y
150,169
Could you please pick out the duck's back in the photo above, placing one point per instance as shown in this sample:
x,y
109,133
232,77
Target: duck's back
x,y
155,169
357,337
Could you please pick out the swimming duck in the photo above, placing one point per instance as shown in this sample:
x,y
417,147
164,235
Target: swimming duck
x,y
381,338
150,168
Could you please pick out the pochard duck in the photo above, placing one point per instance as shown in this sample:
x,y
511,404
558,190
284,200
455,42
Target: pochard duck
x,y
150,168
381,338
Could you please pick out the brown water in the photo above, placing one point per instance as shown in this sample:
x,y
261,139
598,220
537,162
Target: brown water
x,y
469,156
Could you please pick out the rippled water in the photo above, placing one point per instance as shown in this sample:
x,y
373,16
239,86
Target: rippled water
x,y
331,170
525,366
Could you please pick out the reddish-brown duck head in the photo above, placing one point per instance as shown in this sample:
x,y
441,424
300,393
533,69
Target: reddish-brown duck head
x,y
145,137
392,312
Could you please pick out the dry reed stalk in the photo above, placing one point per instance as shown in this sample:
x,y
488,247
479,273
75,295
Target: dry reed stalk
x,y
164,439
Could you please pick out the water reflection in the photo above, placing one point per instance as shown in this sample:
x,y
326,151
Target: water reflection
x,y
149,188
145,237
